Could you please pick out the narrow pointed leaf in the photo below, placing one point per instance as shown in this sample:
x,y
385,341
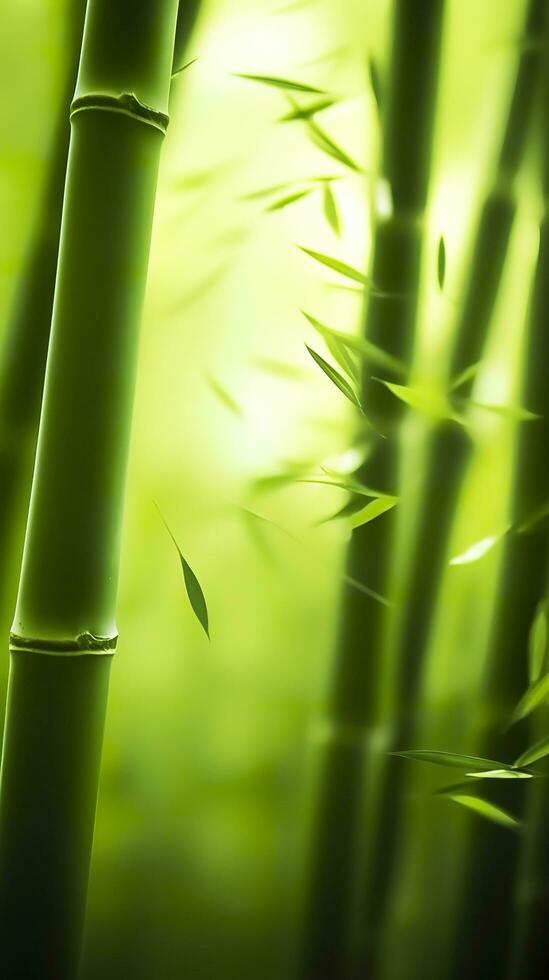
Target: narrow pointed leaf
x,y
338,349
441,262
500,774
351,486
336,378
344,270
306,112
428,401
513,412
375,83
288,199
283,83
372,510
537,643
465,375
485,809
367,350
452,760
179,71
478,550
330,209
536,752
224,396
192,586
330,147
534,696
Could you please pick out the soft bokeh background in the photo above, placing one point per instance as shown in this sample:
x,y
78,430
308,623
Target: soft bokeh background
x,y
210,748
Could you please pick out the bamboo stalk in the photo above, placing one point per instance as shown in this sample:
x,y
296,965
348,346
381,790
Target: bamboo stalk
x,y
406,152
64,632
23,358
448,455
524,585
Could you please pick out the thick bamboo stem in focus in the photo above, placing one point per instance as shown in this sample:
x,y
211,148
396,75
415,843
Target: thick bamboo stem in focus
x,y
64,628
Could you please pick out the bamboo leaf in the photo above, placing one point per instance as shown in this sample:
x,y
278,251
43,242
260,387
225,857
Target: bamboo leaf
x,y
479,549
330,209
305,112
534,696
192,586
513,412
336,378
344,270
441,262
179,71
484,809
375,83
365,348
452,760
536,752
354,504
429,401
223,396
331,148
500,774
281,83
288,199
351,486
338,349
372,510
465,375
537,642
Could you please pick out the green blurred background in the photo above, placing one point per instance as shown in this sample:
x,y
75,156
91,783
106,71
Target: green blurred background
x,y
210,748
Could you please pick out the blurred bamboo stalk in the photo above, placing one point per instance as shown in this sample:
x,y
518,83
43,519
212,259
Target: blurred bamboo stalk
x,y
448,454
64,630
407,131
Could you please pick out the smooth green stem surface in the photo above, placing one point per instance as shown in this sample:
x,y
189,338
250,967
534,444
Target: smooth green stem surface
x,y
23,354
337,825
64,625
52,751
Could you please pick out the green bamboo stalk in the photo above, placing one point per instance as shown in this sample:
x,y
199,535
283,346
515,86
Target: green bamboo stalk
x,y
484,939
23,356
64,632
524,585
448,455
407,128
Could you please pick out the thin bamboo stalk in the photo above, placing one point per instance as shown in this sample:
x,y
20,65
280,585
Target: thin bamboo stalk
x,y
407,128
448,454
64,630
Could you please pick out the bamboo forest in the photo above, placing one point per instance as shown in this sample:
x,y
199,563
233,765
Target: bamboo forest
x,y
274,489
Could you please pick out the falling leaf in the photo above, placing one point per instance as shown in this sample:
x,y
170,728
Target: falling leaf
x,y
224,396
192,586
336,378
374,82
484,809
479,549
537,642
344,270
534,753
283,83
452,760
372,510
534,696
441,262
331,148
330,209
